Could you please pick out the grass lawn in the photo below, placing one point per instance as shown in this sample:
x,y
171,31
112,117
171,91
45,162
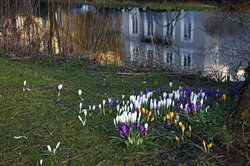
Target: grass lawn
x,y
35,116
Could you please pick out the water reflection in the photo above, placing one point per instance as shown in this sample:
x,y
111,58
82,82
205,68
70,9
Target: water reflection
x,y
183,41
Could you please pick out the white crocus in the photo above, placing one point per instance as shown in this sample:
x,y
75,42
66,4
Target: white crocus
x,y
201,102
146,126
49,148
170,95
131,106
203,94
55,149
170,84
100,106
79,92
41,162
139,117
80,105
24,85
59,87
134,116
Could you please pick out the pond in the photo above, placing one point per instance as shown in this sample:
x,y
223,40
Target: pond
x,y
209,42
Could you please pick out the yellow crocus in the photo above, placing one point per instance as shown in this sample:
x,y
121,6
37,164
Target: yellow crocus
x,y
164,118
143,110
177,138
209,146
152,119
171,115
146,112
180,124
150,112
182,128
167,116
224,97
190,128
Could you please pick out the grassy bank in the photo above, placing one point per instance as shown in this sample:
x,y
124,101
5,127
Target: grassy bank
x,y
156,6
150,5
31,120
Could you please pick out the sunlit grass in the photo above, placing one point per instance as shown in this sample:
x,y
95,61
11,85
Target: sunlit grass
x,y
35,115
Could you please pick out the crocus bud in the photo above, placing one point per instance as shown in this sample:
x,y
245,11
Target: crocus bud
x,y
79,92
59,87
170,84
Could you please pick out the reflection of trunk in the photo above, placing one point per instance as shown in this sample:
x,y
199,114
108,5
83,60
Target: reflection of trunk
x,y
51,23
4,23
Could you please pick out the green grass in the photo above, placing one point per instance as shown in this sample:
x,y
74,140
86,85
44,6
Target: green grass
x,y
151,5
155,6
35,115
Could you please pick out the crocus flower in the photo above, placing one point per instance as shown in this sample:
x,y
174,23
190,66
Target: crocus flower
x,y
132,127
167,126
190,108
209,146
24,85
41,162
170,84
110,102
177,138
122,134
224,97
124,128
159,90
204,145
79,92
59,87
147,91
142,129
199,106
58,100
134,86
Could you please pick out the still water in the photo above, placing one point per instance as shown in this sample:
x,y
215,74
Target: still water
x,y
180,41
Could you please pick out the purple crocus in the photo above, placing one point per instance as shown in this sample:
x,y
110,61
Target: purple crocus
x,y
198,107
58,100
159,90
176,102
181,111
110,102
134,86
142,129
167,126
123,132
184,100
147,91
190,108
132,127
233,91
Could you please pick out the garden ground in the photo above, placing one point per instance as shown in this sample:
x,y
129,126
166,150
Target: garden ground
x,y
31,120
